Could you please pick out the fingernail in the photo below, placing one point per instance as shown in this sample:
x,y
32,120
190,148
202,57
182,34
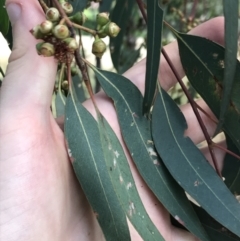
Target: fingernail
x,y
14,12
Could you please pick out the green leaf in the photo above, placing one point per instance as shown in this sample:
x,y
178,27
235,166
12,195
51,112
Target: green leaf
x,y
130,57
231,168
105,5
120,15
79,88
215,230
188,165
123,183
136,132
154,37
203,62
60,102
89,165
79,5
4,23
231,46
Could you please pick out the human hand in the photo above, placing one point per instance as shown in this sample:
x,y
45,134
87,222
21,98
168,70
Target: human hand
x,y
40,197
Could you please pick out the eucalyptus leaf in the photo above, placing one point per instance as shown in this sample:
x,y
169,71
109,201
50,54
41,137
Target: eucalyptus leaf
x,y
203,62
136,132
231,168
215,230
60,102
79,5
154,37
4,23
90,168
123,183
120,15
231,46
105,5
188,165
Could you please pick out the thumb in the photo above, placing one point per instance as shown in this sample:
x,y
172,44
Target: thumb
x,y
29,78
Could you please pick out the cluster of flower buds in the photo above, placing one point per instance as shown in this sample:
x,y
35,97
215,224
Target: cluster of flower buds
x,y
53,33
104,28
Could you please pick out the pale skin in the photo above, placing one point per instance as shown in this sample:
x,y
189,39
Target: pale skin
x,y
40,197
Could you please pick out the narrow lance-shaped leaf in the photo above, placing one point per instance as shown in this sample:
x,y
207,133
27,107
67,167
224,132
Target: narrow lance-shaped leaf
x,y
136,132
154,37
231,168
90,168
123,183
4,23
203,62
120,15
105,6
188,165
214,229
79,5
231,45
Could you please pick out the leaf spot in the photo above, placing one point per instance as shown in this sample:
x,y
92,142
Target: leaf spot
x,y
109,147
150,142
129,185
151,151
121,179
116,154
215,55
134,115
221,63
114,162
131,209
197,183
156,162
132,124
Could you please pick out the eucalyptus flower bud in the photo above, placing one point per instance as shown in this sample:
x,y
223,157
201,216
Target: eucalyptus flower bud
x,y
46,27
67,7
60,31
102,19
98,47
36,32
78,18
52,15
71,43
112,29
65,85
74,70
45,49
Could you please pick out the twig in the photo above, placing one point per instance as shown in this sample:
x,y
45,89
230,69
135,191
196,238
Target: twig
x,y
205,113
226,150
93,32
193,12
43,5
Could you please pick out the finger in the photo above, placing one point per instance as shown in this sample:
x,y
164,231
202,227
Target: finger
x,y
212,29
29,78
194,130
